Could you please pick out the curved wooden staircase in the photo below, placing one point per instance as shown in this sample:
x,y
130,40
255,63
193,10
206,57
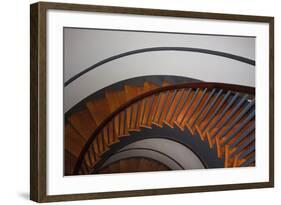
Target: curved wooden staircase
x,y
133,164
223,115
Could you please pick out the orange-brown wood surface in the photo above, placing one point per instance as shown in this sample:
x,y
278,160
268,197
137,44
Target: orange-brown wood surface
x,y
182,108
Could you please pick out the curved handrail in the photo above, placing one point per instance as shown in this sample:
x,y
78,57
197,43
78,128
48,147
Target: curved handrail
x,y
233,87
144,50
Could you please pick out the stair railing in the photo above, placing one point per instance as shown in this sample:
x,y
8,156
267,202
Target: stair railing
x,y
87,152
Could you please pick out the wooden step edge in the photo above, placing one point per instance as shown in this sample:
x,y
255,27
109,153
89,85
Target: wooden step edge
x,y
165,83
111,137
95,150
239,162
226,156
84,169
85,128
168,124
98,158
69,163
190,129
103,144
201,135
145,126
113,142
179,126
235,161
131,91
72,134
219,151
108,95
147,86
94,158
90,163
125,131
133,130
210,140
230,162
104,151
123,135
156,124
249,155
230,151
96,114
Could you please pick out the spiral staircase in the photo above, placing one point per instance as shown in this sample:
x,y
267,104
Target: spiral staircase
x,y
221,116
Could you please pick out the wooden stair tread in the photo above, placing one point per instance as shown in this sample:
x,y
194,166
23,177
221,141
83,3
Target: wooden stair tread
x,y
132,91
222,148
165,83
144,165
83,123
231,127
69,162
158,106
125,166
215,118
111,136
239,162
226,113
211,111
147,109
242,144
115,167
99,110
133,164
167,106
202,100
115,98
218,132
184,109
74,142
147,86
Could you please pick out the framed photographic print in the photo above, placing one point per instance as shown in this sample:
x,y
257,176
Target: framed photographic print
x,y
133,102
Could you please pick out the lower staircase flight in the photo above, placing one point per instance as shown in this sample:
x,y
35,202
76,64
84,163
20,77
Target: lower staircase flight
x,y
133,164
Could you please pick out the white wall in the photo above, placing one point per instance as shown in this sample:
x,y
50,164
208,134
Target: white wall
x,y
14,86
86,47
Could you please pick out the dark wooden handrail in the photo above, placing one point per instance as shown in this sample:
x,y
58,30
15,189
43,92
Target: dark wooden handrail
x,y
233,87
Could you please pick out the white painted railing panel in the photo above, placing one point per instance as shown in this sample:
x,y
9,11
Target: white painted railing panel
x,y
178,152
205,67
